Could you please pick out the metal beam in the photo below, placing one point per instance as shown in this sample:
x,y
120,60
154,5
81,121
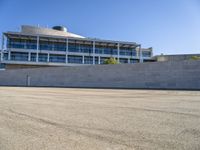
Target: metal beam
x,y
83,59
38,42
67,49
2,47
93,53
118,51
29,56
99,60
140,54
48,55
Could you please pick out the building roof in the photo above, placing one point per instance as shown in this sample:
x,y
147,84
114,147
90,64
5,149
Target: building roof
x,y
47,31
29,31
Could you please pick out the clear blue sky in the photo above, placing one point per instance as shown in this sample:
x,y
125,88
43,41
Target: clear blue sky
x,y
169,26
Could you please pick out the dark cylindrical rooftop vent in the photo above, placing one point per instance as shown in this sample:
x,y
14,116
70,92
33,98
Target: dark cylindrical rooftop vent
x,y
60,28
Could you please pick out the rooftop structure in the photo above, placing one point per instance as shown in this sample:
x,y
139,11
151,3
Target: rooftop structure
x,y
36,46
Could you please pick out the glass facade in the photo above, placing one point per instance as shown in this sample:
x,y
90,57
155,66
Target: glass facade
x,y
132,61
22,43
52,46
74,59
33,56
102,60
106,50
88,60
57,58
123,60
146,54
127,52
103,50
96,60
19,56
5,56
42,57
80,48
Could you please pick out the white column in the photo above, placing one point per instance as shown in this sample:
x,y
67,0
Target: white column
x,y
48,57
137,52
67,48
118,51
99,60
140,54
83,59
2,48
129,61
29,56
93,53
9,53
38,42
151,48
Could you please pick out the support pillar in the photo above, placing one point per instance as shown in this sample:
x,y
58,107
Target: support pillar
x,y
38,42
129,61
48,55
67,48
2,48
99,60
118,51
83,59
93,52
9,53
140,54
29,56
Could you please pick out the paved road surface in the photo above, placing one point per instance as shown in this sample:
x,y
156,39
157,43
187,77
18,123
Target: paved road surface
x,y
97,119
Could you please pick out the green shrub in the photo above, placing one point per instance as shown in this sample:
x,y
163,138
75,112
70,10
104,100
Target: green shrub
x,y
195,58
110,61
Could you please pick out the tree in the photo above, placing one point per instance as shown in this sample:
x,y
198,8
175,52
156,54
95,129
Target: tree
x,y
195,58
111,60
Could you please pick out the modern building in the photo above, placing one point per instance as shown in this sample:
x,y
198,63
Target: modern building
x,y
177,57
36,46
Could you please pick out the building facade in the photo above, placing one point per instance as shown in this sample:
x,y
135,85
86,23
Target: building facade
x,y
177,57
36,46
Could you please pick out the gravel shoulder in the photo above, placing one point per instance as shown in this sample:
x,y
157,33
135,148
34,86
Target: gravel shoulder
x,y
98,119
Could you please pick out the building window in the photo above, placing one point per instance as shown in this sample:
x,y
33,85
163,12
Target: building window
x,y
96,60
2,66
146,53
88,60
123,60
22,43
57,58
74,59
127,52
102,59
81,48
18,56
134,53
31,44
86,48
59,46
52,46
42,57
5,56
46,45
132,61
33,56
74,48
106,50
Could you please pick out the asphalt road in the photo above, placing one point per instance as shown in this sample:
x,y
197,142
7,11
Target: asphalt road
x,y
98,119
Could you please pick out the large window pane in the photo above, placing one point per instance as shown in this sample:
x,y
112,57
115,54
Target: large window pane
x,y
57,58
75,59
42,57
33,56
18,56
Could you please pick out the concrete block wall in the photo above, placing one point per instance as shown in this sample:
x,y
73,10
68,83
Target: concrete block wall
x,y
155,75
